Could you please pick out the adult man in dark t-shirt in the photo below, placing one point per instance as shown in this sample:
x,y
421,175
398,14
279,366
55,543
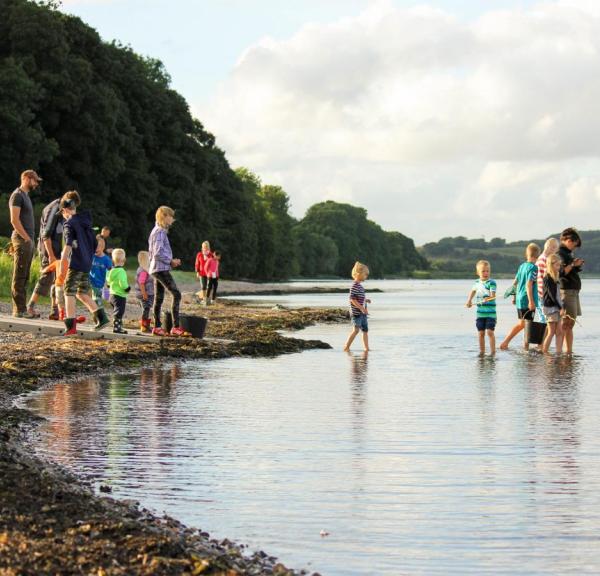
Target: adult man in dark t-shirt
x,y
49,248
22,220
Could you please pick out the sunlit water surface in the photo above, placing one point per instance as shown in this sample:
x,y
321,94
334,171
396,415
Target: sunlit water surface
x,y
419,459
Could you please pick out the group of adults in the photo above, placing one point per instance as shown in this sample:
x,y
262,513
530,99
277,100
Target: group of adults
x,y
22,219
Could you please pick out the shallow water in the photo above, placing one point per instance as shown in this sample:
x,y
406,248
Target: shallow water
x,y
421,458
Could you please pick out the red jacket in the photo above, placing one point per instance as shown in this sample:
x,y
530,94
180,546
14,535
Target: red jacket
x,y
201,263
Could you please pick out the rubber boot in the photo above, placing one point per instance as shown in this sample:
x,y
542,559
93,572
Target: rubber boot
x,y
145,326
71,327
118,326
100,319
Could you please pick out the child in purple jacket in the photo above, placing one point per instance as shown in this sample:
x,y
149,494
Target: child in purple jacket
x,y
161,262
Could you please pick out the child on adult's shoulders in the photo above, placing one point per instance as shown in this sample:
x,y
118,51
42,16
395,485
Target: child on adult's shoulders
x,y
358,307
526,297
484,292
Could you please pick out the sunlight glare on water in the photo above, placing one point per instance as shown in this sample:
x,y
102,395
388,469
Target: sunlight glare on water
x,y
420,458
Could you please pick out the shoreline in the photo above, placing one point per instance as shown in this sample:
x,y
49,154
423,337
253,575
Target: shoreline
x,y
52,521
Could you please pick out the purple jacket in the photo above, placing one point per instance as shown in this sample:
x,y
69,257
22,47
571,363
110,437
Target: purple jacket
x,y
159,248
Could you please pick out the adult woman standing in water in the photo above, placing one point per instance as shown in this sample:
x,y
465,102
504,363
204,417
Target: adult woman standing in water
x,y
570,283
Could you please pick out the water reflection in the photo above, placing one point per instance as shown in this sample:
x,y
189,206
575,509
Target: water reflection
x,y
418,459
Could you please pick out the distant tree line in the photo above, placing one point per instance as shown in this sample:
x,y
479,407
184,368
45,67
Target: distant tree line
x,y
99,118
457,255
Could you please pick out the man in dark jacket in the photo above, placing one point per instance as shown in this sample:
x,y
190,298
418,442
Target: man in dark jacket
x,y
49,247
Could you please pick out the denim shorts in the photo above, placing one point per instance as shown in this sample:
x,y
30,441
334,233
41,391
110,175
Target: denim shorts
x,y
485,324
361,322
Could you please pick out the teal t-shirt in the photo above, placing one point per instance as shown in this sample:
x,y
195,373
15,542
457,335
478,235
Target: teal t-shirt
x,y
485,290
527,272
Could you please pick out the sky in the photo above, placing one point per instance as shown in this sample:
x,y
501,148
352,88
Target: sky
x,y
445,118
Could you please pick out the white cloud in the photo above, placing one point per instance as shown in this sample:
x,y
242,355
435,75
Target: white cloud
x,y
436,125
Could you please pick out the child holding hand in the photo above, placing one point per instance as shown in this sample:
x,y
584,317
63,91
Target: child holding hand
x,y
358,308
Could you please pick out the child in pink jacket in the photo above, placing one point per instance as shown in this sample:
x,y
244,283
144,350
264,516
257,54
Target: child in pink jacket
x,y
211,269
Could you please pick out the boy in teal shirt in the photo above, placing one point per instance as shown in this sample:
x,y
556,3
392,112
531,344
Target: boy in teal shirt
x,y
526,297
119,287
484,292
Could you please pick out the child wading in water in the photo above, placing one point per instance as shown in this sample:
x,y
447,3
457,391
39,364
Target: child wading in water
x,y
552,303
526,297
144,289
358,309
161,262
119,288
484,292
80,245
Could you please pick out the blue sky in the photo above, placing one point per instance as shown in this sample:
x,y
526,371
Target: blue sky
x,y
445,118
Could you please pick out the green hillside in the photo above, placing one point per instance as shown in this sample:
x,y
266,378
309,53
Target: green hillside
x,y
456,256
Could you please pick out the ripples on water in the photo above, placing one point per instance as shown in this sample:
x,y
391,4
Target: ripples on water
x,y
420,458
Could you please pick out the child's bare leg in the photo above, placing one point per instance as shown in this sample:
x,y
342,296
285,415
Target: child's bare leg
x,y
87,301
365,339
559,337
70,306
481,334
351,338
515,330
492,338
548,339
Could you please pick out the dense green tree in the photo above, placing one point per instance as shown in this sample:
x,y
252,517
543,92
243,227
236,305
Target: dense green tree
x,y
99,118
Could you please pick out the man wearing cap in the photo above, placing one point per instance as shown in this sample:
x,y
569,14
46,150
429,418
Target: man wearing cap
x,y
22,220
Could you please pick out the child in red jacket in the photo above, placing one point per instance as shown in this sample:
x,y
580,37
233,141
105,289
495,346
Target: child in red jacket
x,y
201,258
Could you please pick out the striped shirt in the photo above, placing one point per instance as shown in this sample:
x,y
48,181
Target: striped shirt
x,y
485,289
541,264
357,293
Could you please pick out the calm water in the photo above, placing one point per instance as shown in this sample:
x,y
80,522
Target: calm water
x,y
419,459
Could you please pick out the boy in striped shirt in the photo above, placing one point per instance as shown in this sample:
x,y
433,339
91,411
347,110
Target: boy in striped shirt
x,y
358,308
484,292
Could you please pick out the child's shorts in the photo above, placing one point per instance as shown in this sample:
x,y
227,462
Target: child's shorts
x,y
77,282
553,317
525,313
485,324
361,322
571,302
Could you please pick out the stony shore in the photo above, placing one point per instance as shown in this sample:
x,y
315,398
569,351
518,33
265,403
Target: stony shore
x,y
52,522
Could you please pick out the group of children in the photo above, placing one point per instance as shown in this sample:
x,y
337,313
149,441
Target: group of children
x,y
548,283
84,272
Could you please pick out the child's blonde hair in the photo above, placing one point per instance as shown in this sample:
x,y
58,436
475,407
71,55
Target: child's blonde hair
x,y
161,215
360,271
118,256
550,262
144,259
532,250
206,244
482,264
551,243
